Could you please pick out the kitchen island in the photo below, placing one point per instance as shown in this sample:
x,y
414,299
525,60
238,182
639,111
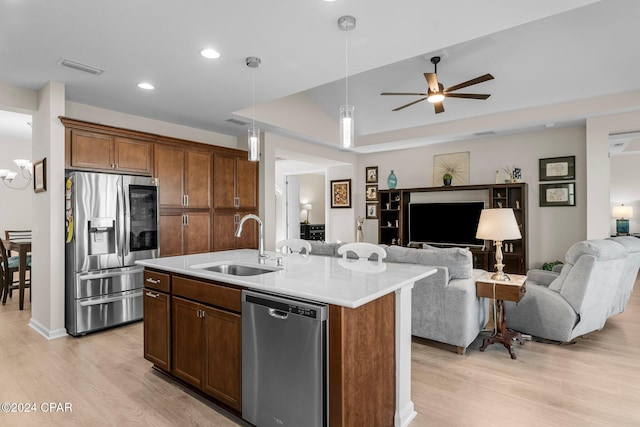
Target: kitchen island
x,y
193,317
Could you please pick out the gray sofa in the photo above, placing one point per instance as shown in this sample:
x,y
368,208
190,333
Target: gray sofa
x,y
594,284
444,305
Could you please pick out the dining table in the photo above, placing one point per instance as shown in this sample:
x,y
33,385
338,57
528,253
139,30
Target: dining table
x,y
23,247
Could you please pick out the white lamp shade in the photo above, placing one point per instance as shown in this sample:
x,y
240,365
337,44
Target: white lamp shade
x,y
307,206
623,211
498,225
4,172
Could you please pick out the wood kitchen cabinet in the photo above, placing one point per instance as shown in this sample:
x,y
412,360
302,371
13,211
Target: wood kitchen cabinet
x,y
225,224
184,232
235,182
207,340
185,177
104,152
157,319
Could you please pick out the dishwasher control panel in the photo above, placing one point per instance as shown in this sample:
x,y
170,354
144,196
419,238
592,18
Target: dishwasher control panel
x,y
304,309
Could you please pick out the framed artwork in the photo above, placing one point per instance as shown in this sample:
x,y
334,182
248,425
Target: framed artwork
x,y
456,164
559,194
341,193
558,168
372,211
40,176
371,173
371,194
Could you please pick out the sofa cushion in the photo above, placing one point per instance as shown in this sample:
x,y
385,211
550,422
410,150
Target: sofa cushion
x,y
458,261
323,248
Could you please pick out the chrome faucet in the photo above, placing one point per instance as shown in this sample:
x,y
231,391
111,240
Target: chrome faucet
x,y
261,255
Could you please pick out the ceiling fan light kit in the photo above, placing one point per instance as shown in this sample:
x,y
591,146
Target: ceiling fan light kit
x,y
436,93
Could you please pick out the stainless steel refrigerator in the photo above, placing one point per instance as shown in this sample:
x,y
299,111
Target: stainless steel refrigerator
x,y
112,221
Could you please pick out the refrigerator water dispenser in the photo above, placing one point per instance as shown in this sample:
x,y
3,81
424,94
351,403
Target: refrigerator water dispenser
x,y
102,236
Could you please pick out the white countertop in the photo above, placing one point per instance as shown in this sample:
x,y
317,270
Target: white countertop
x,y
331,280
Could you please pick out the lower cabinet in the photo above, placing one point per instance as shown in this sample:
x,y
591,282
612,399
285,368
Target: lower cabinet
x,y
157,328
207,349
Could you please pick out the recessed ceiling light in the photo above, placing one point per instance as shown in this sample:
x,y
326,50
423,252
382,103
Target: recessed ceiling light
x,y
210,53
147,86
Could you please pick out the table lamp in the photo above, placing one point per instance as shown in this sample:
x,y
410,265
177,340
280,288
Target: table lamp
x,y
307,207
622,214
498,225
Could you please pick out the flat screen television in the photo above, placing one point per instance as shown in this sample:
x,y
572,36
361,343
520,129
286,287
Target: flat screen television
x,y
448,223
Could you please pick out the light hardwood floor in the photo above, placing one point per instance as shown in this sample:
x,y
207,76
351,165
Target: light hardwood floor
x,y
594,382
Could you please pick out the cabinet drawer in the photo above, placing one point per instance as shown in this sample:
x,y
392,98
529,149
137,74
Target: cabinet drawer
x,y
210,293
504,292
157,281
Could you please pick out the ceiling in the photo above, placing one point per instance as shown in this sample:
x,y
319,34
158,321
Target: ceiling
x,y
548,52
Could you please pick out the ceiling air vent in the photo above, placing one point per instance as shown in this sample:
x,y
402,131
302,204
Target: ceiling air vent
x,y
486,133
237,122
80,67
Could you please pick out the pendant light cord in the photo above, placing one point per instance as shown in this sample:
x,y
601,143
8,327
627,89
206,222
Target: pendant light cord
x,y
253,99
346,68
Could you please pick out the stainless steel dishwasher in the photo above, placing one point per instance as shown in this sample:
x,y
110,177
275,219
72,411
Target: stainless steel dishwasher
x,y
284,361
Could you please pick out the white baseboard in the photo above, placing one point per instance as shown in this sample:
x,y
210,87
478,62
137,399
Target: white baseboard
x,y
45,332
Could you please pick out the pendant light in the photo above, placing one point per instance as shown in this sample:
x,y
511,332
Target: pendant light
x,y
346,23
254,132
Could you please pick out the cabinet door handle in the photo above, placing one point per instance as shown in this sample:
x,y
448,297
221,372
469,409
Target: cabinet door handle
x,y
236,219
236,202
152,295
154,281
186,200
186,220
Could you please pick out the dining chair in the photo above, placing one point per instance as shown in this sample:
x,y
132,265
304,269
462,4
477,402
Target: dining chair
x,y
18,235
9,265
363,250
294,246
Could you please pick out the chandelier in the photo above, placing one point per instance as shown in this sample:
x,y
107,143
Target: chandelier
x,y
8,176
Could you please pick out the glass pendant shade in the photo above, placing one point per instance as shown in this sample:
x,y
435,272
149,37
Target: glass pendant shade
x,y
346,126
254,144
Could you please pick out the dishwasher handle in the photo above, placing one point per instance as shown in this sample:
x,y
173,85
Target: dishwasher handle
x,y
278,314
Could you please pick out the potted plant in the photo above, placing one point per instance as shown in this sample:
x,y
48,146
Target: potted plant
x,y
446,178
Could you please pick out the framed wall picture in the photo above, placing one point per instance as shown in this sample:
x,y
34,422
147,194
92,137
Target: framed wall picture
x,y
40,176
559,194
371,193
371,173
558,168
454,164
341,193
372,211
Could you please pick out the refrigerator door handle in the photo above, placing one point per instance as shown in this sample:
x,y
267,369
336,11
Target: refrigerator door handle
x,y
110,299
109,274
124,214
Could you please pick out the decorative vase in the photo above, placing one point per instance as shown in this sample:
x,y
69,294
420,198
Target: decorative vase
x,y
446,181
392,181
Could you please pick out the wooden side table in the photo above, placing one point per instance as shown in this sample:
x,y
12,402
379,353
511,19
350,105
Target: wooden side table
x,y
513,290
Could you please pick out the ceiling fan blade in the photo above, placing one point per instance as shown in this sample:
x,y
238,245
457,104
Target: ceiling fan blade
x,y
438,107
432,81
469,83
468,95
403,93
409,104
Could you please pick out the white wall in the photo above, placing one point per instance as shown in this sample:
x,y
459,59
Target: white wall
x,y
551,229
18,212
312,190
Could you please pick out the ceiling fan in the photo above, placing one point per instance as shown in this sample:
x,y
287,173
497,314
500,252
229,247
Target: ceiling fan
x,y
436,91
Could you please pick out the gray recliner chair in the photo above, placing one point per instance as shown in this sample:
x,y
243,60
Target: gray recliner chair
x,y
561,307
630,273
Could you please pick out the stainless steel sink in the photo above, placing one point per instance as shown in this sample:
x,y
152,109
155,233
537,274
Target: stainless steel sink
x,y
238,269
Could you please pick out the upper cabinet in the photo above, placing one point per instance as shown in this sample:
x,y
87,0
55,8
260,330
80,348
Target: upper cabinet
x,y
235,182
89,150
185,177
